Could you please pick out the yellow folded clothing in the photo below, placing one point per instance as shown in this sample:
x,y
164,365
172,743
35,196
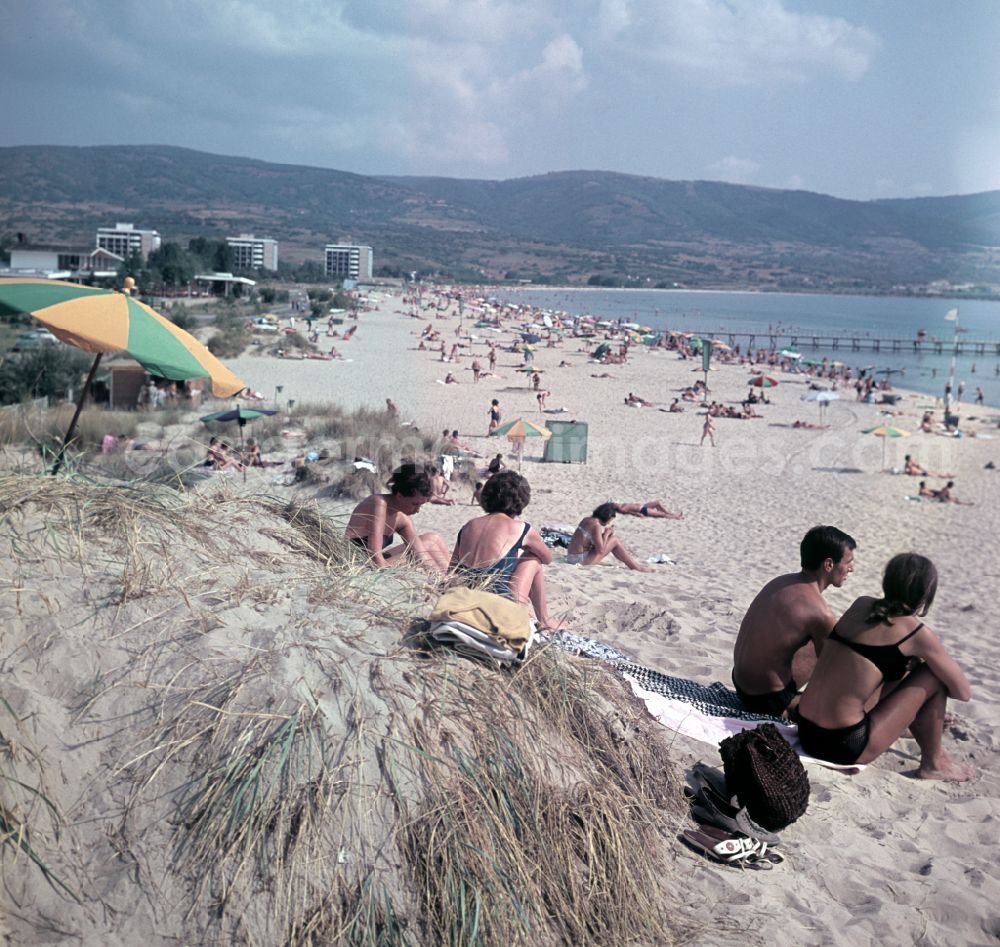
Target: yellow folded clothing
x,y
503,620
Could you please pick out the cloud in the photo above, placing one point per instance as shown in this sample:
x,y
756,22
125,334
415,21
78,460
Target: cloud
x,y
736,42
733,169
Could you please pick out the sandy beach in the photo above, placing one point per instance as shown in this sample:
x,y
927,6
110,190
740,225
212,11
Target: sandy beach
x,y
880,857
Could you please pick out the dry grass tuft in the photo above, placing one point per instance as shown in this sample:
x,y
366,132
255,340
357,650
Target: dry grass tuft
x,y
262,754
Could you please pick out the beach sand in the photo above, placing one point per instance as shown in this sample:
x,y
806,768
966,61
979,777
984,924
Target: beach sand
x,y
879,857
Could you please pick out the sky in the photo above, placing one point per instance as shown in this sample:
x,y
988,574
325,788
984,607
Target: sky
x,y
857,99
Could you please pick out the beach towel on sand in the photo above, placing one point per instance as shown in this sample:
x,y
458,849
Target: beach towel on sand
x,y
708,713
504,621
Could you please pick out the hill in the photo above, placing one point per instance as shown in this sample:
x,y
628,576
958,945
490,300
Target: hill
x,y
558,227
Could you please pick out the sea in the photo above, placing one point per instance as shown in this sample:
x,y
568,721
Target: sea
x,y
717,314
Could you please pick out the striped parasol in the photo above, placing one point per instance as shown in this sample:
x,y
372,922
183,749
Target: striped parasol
x,y
105,320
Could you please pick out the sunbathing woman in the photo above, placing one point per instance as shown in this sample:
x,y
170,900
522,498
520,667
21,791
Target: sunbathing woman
x,y
595,538
501,551
380,517
881,671
653,509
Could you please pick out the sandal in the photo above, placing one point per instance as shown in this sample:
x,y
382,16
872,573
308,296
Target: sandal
x,y
711,804
731,849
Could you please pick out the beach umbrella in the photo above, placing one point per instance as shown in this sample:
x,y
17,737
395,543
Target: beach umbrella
x,y
885,431
764,381
811,361
722,346
823,398
695,343
530,337
517,431
240,415
530,369
522,428
601,350
106,320
790,353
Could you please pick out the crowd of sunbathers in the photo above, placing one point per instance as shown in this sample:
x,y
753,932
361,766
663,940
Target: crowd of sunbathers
x,y
498,550
221,456
872,674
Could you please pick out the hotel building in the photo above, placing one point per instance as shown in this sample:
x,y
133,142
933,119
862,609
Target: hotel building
x,y
253,253
124,240
348,262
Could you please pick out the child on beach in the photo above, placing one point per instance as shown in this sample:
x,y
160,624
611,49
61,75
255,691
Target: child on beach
x,y
495,416
879,642
503,552
595,538
380,517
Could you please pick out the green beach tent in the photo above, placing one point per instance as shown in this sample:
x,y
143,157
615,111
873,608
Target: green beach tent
x,y
568,443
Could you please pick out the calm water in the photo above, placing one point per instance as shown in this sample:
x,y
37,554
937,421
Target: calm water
x,y
863,316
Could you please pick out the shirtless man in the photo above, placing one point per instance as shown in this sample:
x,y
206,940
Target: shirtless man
x,y
786,616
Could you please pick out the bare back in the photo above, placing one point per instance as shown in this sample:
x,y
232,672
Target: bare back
x,y
787,613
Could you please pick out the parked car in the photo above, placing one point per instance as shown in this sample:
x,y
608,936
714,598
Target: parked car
x,y
33,339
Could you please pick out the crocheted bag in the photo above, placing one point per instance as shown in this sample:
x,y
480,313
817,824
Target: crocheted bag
x,y
767,776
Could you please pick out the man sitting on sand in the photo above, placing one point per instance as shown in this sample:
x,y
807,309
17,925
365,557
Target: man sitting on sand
x,y
380,517
595,537
946,496
788,614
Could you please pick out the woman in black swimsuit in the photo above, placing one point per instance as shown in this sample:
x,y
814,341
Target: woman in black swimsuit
x,y
883,671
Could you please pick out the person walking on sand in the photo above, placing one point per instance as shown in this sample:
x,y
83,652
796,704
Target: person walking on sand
x,y
707,431
380,517
493,356
495,416
595,538
882,672
477,370
786,624
501,552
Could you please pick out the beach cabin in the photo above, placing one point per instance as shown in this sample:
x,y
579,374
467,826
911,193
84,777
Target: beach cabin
x,y
568,443
126,377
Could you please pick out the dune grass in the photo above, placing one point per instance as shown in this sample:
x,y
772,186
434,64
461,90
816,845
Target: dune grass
x,y
296,764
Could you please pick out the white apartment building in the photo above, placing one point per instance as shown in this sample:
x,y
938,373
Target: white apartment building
x,y
253,253
124,240
348,262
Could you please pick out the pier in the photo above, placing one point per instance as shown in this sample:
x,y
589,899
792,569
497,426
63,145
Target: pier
x,y
851,342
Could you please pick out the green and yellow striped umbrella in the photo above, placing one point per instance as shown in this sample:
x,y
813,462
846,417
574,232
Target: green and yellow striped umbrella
x,y
105,320
522,428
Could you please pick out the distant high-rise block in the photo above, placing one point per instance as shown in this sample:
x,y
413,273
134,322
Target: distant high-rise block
x,y
253,253
125,240
348,262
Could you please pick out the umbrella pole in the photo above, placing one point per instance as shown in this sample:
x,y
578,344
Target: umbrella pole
x,y
243,465
76,414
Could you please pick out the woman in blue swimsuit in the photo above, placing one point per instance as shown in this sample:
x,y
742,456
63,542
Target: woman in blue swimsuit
x,y
882,671
501,553
378,519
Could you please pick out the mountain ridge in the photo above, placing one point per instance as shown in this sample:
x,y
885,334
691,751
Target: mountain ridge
x,y
561,226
